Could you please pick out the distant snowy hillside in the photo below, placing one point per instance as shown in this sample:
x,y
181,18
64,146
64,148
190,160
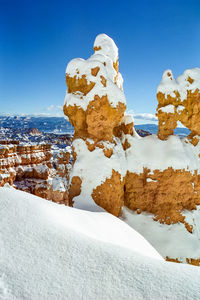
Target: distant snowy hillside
x,y
50,251
61,125
43,124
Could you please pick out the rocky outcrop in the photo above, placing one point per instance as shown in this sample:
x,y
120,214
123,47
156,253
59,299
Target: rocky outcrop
x,y
163,172
156,176
31,168
95,105
179,100
156,192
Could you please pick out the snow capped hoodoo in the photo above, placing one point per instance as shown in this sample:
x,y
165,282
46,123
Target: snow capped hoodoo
x,y
183,95
157,177
163,176
95,105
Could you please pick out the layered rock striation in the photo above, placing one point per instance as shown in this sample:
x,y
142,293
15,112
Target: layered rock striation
x,y
31,168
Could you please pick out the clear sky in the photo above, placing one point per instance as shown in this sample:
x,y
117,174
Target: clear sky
x,y
39,38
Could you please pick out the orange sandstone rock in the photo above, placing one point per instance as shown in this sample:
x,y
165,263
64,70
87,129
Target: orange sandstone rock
x,y
79,84
102,118
110,194
95,105
183,95
163,193
74,189
29,168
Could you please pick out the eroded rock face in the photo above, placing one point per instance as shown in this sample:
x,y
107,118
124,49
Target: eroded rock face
x,y
163,172
30,168
179,100
95,105
97,176
112,187
163,193
156,176
95,102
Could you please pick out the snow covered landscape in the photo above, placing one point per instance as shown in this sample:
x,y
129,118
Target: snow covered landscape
x,y
99,150
57,252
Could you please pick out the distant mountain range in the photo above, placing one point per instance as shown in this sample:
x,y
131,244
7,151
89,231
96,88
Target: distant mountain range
x,y
152,128
60,125
43,124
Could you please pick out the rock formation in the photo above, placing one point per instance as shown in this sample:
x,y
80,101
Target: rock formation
x,y
179,100
156,175
30,168
163,172
95,105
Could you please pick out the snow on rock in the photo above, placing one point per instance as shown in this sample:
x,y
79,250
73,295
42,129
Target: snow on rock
x,y
113,166
163,176
179,97
93,168
171,241
106,46
152,153
48,248
188,81
167,109
29,167
94,97
163,179
95,104
168,85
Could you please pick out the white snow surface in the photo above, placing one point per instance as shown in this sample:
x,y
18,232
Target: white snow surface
x,y
168,84
152,153
108,47
167,109
58,183
173,240
127,119
102,167
50,251
180,108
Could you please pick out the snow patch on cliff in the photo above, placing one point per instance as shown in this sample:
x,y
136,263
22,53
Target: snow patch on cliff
x,y
101,169
152,153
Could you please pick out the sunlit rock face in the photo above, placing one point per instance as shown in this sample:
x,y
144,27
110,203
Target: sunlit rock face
x,y
156,178
179,100
95,105
30,168
163,175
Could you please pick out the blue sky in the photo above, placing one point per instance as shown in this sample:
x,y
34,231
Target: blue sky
x,y
38,38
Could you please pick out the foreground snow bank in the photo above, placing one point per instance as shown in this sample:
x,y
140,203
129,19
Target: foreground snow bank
x,y
174,240
50,251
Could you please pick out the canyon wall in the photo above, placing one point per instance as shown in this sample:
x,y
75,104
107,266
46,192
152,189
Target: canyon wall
x,y
31,168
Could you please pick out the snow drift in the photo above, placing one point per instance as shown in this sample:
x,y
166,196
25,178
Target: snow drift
x,y
49,251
